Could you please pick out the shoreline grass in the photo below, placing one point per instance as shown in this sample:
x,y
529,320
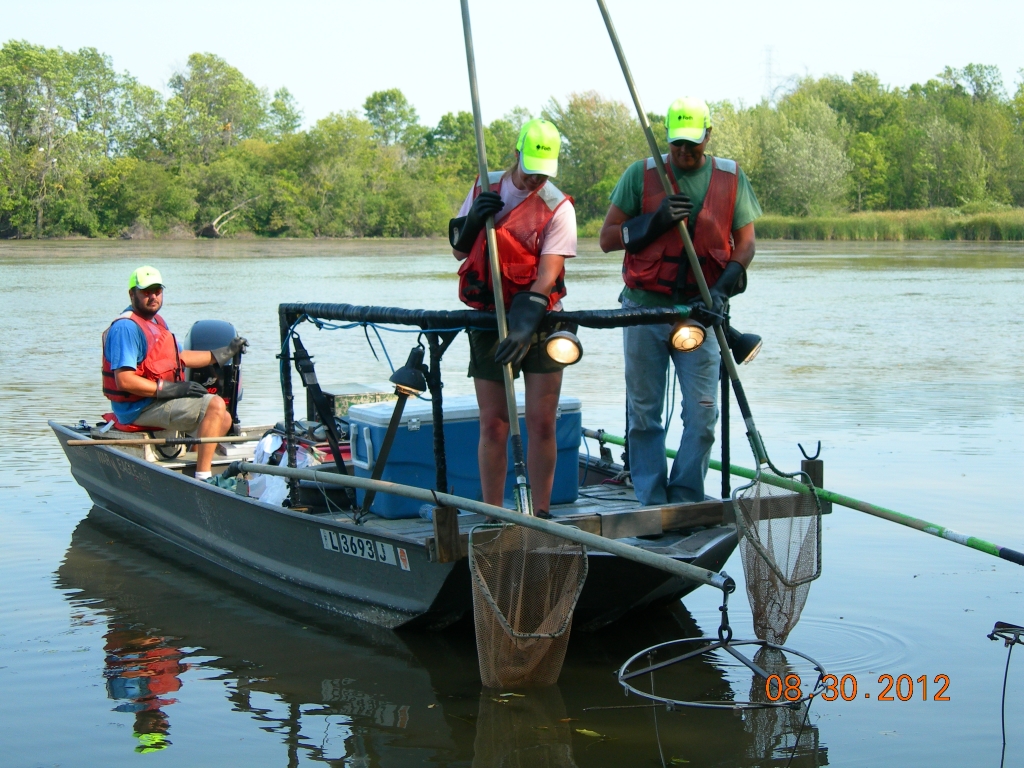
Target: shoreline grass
x,y
930,224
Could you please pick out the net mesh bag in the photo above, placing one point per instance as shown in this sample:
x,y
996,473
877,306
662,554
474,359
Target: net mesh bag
x,y
780,547
525,586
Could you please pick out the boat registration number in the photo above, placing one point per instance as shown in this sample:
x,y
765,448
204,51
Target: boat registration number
x,y
368,549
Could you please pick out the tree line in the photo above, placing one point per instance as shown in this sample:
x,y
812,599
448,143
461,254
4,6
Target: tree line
x,y
85,150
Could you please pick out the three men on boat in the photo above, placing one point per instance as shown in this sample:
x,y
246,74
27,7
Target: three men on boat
x,y
714,199
144,372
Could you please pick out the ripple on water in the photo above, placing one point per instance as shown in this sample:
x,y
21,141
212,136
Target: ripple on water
x,y
847,647
841,647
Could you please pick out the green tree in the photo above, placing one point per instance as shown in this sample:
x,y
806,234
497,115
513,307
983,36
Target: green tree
x,y
868,172
285,115
393,118
600,138
213,106
46,158
982,81
129,192
956,168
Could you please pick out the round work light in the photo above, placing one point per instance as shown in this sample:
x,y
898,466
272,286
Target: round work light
x,y
409,379
687,335
744,346
563,347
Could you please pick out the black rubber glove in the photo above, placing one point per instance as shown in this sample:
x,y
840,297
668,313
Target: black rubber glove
x,y
224,355
732,281
524,318
641,231
172,390
462,232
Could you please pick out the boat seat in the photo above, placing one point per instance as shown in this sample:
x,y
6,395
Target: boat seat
x,y
119,427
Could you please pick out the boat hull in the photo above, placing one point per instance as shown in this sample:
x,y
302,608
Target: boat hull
x,y
287,556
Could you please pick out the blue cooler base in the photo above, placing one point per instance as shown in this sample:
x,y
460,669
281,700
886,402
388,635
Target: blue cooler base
x,y
411,461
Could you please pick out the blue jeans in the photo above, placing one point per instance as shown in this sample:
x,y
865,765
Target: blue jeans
x,y
647,353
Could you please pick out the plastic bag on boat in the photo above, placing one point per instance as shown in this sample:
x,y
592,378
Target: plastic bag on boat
x,y
272,489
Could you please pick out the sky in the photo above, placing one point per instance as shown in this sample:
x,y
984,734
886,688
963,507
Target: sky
x,y
332,55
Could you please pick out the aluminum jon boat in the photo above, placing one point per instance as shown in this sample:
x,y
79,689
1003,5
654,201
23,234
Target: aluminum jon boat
x,y
318,557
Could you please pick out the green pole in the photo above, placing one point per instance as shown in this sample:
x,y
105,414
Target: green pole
x,y
1004,553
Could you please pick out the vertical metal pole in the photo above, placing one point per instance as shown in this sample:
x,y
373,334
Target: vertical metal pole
x,y
691,255
285,322
724,422
524,499
385,448
437,412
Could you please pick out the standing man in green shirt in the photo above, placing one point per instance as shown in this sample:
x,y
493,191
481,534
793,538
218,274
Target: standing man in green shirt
x,y
714,198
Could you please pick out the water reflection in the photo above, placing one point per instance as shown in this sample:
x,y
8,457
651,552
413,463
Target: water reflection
x,y
350,694
520,730
780,732
140,670
357,695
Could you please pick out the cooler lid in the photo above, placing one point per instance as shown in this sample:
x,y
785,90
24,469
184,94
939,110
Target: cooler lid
x,y
457,408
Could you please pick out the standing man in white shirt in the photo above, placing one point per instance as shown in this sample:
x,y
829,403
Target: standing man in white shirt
x,y
535,227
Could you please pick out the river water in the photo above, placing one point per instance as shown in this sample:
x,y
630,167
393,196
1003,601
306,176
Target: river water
x,y
900,359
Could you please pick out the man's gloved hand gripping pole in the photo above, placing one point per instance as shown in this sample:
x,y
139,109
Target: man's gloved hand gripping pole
x,y
524,318
463,231
732,281
642,230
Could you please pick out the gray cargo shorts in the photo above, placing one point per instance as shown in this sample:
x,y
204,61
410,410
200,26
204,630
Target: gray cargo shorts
x,y
183,414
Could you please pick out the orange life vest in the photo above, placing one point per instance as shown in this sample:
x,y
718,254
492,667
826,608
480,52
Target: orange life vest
x,y
161,362
656,267
519,243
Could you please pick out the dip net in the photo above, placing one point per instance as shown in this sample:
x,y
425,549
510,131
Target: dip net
x,y
525,587
780,546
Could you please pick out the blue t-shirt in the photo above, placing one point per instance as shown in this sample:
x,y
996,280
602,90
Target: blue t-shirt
x,y
126,347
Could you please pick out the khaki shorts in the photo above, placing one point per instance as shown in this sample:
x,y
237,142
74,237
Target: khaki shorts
x,y
182,414
483,344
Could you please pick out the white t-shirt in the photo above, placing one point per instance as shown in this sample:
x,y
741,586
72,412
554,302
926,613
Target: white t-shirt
x,y
558,237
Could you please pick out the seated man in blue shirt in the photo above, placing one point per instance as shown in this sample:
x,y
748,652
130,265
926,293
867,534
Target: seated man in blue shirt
x,y
144,366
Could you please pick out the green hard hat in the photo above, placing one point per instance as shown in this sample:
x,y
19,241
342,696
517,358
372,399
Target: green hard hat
x,y
538,146
688,119
144,277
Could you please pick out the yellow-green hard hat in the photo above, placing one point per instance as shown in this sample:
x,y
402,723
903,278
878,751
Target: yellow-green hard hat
x,y
538,146
688,119
144,277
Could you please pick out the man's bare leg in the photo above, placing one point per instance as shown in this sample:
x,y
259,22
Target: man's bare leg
x,y
542,391
216,423
492,453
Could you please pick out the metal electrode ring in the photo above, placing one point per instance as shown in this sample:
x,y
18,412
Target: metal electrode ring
x,y
726,643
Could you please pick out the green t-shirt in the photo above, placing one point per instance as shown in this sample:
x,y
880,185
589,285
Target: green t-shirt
x,y
628,196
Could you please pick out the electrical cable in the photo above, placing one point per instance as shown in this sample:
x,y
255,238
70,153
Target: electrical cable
x,y
1002,709
803,723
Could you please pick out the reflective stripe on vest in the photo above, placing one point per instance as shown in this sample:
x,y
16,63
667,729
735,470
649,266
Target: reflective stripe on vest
x,y
656,267
161,362
519,243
